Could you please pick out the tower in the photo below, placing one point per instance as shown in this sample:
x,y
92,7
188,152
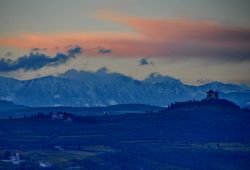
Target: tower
x,y
212,95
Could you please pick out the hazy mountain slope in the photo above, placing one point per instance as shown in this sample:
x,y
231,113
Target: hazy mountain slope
x,y
100,88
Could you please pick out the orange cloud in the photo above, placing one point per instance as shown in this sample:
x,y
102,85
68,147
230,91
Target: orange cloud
x,y
151,37
174,30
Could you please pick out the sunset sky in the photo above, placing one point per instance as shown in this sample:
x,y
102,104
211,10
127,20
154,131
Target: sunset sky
x,y
197,41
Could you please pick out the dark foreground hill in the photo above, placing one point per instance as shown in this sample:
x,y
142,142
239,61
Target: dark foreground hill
x,y
12,110
7,106
194,135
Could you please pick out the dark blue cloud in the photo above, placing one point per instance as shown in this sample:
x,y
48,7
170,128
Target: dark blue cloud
x,y
38,49
104,51
145,61
102,70
36,60
75,50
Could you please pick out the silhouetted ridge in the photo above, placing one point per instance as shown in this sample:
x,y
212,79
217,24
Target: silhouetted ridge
x,y
218,104
7,105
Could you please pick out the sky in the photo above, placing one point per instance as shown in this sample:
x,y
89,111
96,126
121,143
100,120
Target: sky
x,y
196,41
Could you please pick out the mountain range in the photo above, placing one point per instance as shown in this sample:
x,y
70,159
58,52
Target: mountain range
x,y
102,88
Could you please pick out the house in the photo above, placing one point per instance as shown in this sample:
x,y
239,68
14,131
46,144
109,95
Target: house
x,y
57,116
45,165
212,95
58,148
15,159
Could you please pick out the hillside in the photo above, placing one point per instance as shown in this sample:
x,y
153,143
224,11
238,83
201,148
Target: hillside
x,y
82,111
190,136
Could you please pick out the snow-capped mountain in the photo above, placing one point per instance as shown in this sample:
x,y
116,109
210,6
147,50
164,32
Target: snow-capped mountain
x,y
100,88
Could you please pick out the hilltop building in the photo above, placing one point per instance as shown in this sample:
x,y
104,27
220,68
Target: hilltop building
x,y
212,95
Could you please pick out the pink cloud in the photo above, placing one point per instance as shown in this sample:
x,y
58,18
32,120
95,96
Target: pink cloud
x,y
151,37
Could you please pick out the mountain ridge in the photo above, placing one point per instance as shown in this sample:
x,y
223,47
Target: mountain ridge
x,y
102,88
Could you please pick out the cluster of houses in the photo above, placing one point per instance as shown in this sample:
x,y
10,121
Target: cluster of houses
x,y
14,159
61,116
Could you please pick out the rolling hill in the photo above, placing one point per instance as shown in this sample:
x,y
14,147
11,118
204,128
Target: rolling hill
x,y
189,135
